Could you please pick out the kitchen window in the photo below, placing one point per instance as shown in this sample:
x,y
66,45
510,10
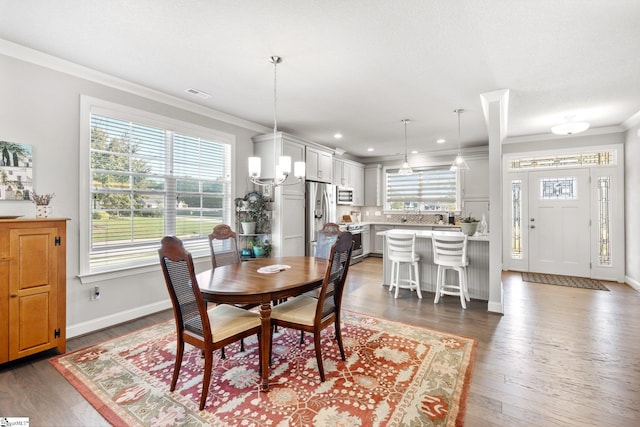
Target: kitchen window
x,y
427,189
148,177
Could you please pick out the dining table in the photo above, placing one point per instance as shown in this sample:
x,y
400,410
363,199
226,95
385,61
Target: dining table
x,y
248,283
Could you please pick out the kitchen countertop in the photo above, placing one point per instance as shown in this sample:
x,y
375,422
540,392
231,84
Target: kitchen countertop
x,y
428,233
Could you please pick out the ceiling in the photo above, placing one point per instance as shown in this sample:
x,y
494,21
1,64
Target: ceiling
x,y
359,67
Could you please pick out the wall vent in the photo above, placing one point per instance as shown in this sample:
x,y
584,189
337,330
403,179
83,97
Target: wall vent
x,y
198,93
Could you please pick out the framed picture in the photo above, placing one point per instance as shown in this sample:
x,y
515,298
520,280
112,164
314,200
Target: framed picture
x,y
16,171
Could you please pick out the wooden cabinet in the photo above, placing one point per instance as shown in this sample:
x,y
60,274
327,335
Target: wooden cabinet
x,y
319,165
32,287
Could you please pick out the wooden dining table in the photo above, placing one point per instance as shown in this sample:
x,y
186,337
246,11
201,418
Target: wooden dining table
x,y
241,283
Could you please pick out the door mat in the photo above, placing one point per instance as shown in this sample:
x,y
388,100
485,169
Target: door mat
x,y
394,375
570,281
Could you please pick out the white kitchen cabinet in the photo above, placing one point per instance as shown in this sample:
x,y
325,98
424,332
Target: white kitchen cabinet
x,y
378,245
319,165
350,174
288,207
373,185
357,180
366,240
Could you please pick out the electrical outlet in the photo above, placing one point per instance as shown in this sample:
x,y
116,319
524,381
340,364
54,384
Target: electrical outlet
x,y
95,293
378,213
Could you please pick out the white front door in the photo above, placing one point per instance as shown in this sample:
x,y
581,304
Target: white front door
x,y
558,222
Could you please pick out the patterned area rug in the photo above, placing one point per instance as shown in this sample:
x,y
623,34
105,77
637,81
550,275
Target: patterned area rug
x,y
570,281
394,375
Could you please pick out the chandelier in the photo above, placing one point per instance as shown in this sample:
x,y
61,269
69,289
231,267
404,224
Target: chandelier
x,y
405,169
283,167
459,163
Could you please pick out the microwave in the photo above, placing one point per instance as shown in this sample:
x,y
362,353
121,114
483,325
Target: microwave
x,y
344,196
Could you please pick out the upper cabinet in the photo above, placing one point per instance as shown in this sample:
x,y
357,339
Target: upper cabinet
x,y
319,165
373,185
350,174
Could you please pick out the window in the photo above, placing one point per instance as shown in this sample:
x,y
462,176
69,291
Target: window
x,y
148,177
427,189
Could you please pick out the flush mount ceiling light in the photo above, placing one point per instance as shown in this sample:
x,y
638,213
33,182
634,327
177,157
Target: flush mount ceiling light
x,y
283,168
570,127
405,169
459,163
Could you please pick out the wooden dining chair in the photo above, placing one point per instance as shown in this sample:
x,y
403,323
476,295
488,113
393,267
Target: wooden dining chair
x,y
310,314
207,329
223,242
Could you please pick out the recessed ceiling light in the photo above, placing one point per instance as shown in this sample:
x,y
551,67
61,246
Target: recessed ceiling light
x,y
441,141
337,135
369,149
198,93
414,152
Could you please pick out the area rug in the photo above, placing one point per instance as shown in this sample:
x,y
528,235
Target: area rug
x,y
394,375
570,281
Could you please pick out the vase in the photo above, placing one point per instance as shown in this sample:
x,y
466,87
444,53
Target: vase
x,y
258,251
43,211
469,228
248,227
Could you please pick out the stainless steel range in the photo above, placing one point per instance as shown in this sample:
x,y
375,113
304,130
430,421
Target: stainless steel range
x,y
356,230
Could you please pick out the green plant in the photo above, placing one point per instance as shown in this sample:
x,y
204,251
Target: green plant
x,y
468,219
256,210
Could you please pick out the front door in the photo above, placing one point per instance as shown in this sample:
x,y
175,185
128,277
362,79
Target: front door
x,y
558,222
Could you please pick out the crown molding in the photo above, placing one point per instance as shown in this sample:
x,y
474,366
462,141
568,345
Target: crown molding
x,y
51,62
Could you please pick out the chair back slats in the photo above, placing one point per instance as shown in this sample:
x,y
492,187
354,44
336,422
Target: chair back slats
x,y
449,246
330,296
401,246
223,243
188,303
327,236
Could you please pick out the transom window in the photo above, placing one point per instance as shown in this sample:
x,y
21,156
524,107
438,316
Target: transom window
x,y
427,189
148,179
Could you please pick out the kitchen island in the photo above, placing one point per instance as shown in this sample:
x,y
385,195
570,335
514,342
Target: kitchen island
x,y
477,271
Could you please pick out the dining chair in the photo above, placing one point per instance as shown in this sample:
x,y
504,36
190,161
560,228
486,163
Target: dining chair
x,y
450,253
207,329
327,236
310,314
223,242
401,251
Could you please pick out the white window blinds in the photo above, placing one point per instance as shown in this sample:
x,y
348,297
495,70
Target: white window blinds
x,y
428,189
147,182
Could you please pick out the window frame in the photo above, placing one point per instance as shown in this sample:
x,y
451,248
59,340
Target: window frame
x,y
90,105
441,166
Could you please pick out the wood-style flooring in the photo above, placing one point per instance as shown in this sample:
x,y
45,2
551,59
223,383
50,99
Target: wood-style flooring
x,y
557,357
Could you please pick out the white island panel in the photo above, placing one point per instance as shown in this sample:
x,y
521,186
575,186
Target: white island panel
x,y
477,271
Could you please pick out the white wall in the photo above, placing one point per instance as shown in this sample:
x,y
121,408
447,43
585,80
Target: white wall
x,y
632,206
41,107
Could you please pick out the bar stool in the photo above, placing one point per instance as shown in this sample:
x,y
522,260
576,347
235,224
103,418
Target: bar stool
x,y
401,249
450,253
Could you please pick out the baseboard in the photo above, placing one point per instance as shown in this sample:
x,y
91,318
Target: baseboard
x,y
115,319
633,283
495,307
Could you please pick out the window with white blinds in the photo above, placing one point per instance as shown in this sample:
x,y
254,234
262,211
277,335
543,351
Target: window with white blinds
x,y
427,189
149,181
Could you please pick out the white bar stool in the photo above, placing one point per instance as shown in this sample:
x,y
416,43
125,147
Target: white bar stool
x,y
450,253
401,249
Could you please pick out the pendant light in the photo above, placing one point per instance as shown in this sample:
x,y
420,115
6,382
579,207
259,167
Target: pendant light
x,y
459,163
283,167
405,169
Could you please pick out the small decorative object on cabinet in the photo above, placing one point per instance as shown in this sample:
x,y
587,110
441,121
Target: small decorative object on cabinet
x,y
253,219
43,210
32,286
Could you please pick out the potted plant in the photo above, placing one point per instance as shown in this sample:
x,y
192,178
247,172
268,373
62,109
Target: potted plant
x,y
255,214
469,225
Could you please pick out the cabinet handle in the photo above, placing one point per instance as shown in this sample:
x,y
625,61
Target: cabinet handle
x,y
14,295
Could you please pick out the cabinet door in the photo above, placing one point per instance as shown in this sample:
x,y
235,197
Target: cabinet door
x,y
33,291
366,240
357,182
373,185
338,175
378,246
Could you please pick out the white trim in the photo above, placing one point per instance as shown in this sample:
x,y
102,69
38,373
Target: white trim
x,y
57,64
495,307
633,283
116,318
549,136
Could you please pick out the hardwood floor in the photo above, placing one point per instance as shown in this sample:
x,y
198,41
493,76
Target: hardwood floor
x,y
558,357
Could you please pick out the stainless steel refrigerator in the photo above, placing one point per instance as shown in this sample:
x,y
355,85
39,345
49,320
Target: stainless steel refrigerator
x,y
320,202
